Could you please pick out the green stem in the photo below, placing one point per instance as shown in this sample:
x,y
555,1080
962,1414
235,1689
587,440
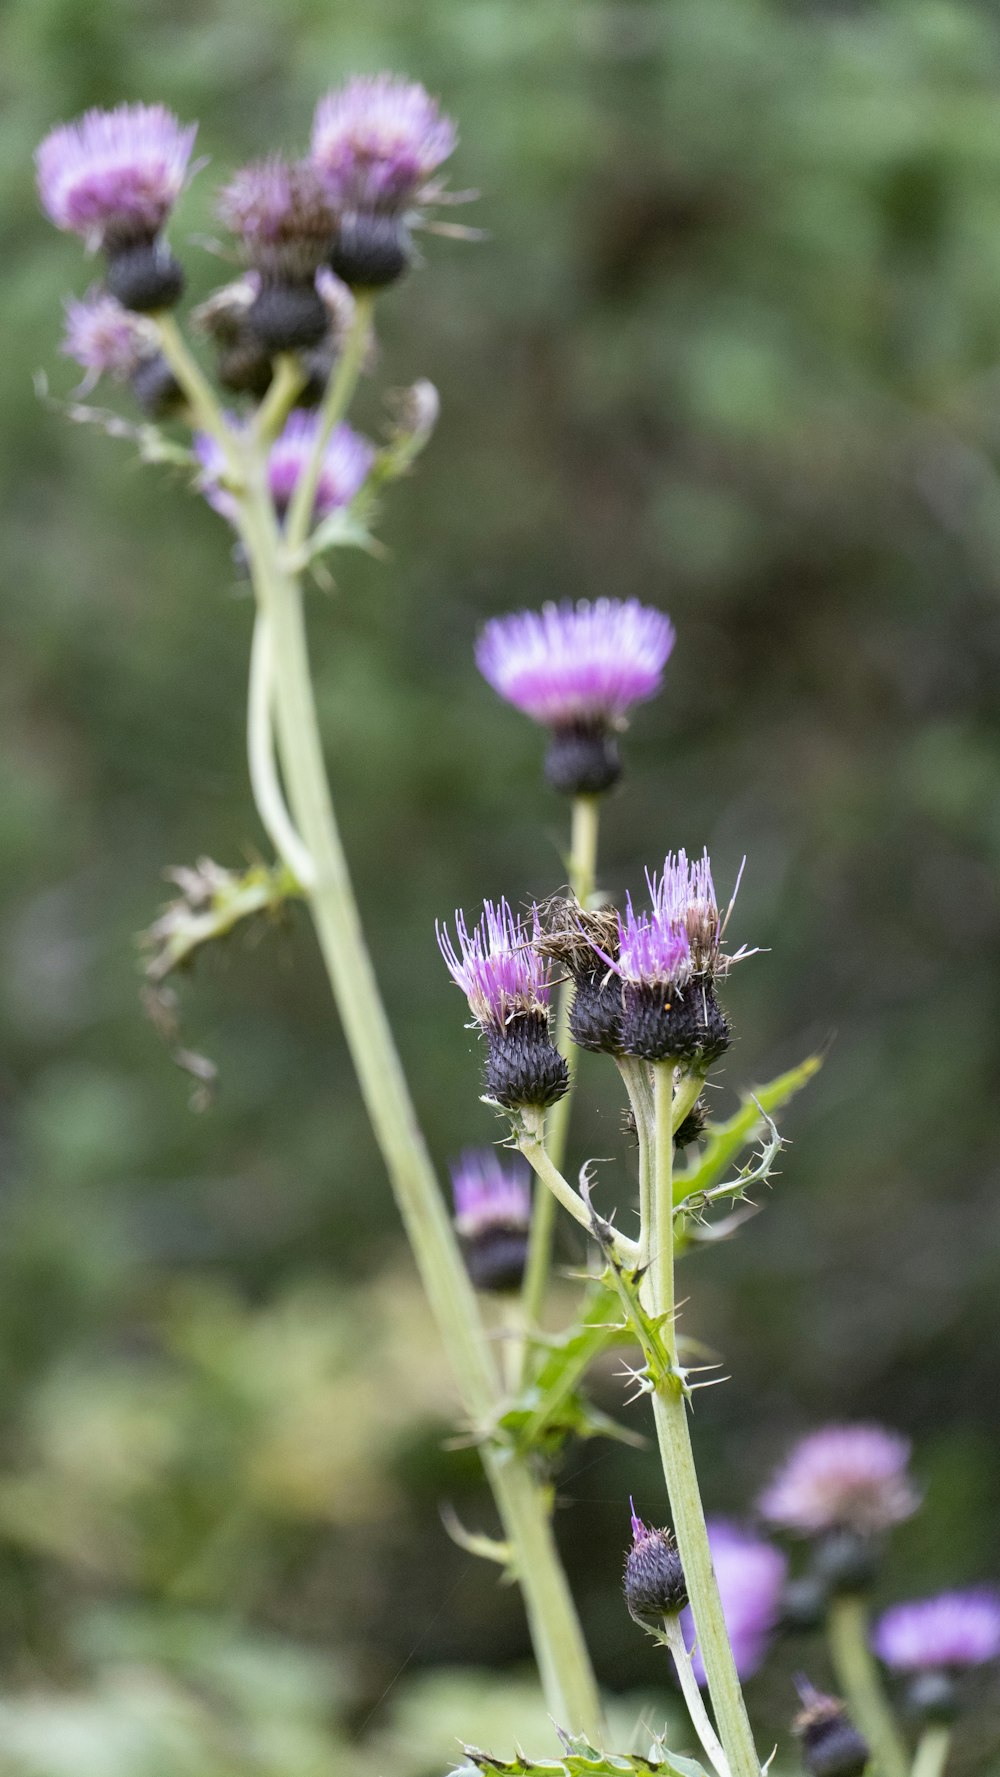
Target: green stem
x,y
582,877
335,403
674,1438
537,1156
673,1636
267,793
287,383
199,393
562,1655
858,1678
933,1748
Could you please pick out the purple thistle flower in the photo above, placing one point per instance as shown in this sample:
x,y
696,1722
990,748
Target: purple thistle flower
x,y
506,983
346,462
114,176
751,1576
104,338
496,966
685,895
492,1217
952,1630
376,142
488,1193
653,949
653,1581
347,459
583,663
849,1477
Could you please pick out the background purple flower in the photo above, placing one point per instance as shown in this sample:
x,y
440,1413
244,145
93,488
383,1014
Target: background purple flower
x,y
104,338
582,663
951,1630
114,172
377,140
346,462
842,1475
495,965
489,1193
751,1576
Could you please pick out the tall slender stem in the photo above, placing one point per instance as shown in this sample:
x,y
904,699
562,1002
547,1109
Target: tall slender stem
x,y
933,1748
561,1651
264,779
673,1635
582,866
858,1678
674,1438
334,406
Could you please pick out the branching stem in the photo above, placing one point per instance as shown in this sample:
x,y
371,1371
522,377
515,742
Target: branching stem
x,y
336,402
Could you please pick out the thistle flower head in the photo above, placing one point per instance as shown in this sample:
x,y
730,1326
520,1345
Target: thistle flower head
x,y
751,1576
282,215
845,1476
496,965
953,1630
104,338
653,1581
347,459
831,1744
488,1193
492,1217
584,664
114,176
684,895
376,141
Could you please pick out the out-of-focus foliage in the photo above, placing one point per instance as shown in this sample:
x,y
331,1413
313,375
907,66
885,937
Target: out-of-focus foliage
x,y
731,346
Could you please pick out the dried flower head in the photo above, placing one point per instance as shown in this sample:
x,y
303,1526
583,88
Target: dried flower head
x,y
653,1581
578,669
507,985
104,338
492,1217
376,141
282,214
114,176
751,1576
953,1630
850,1477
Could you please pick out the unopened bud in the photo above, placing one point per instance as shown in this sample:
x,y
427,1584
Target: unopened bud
x,y
653,1582
831,1744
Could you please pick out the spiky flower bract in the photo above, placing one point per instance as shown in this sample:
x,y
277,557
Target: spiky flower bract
x,y
114,176
377,140
492,1217
347,458
507,984
669,1006
104,338
953,1630
578,670
751,1576
851,1477
653,1581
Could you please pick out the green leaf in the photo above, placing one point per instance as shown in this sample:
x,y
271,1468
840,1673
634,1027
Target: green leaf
x,y
552,1407
581,1760
727,1140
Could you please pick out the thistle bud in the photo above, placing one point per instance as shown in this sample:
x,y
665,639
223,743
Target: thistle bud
x,y
507,985
831,1744
653,1581
576,939
283,218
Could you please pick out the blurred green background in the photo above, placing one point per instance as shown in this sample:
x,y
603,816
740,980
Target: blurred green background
x,y
731,346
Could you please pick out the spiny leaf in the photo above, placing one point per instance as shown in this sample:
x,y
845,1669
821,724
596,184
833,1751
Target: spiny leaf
x,y
581,1760
727,1140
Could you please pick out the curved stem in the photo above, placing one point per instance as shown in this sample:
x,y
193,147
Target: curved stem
x,y
673,1636
858,1678
264,780
534,1151
199,393
932,1752
582,876
674,1437
335,403
560,1648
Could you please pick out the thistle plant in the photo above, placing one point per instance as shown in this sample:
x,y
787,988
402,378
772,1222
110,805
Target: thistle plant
x,y
265,438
